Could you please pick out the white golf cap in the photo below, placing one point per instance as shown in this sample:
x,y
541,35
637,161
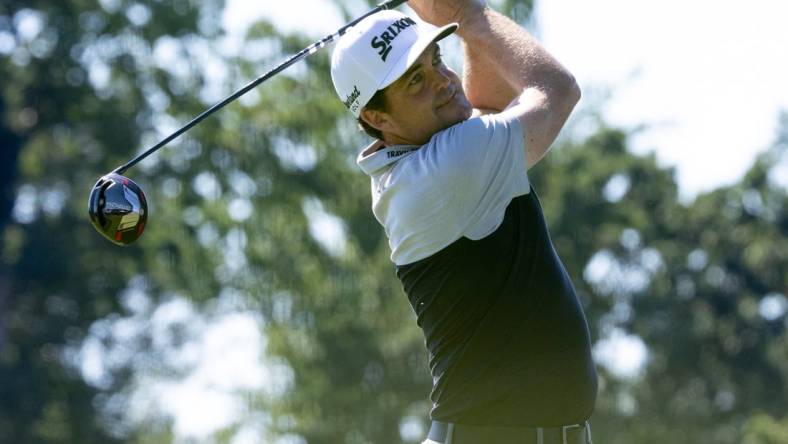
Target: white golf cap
x,y
376,52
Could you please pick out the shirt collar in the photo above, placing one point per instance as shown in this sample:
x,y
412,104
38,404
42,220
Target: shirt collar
x,y
376,156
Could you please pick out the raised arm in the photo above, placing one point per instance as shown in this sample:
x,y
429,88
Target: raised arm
x,y
506,68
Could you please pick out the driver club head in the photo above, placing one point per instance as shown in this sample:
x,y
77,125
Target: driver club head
x,y
118,208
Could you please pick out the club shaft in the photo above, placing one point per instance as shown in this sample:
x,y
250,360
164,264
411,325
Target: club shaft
x,y
311,49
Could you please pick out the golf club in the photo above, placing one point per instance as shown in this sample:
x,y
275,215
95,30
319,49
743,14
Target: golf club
x,y
117,206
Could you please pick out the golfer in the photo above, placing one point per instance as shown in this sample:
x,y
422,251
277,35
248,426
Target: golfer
x,y
508,341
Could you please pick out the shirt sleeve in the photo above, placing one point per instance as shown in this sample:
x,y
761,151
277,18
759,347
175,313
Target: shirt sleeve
x,y
481,167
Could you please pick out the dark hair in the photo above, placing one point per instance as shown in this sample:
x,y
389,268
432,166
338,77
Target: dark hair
x,y
378,103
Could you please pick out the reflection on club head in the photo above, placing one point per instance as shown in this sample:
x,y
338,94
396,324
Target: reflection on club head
x,y
118,209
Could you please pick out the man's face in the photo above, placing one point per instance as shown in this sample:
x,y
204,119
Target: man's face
x,y
426,99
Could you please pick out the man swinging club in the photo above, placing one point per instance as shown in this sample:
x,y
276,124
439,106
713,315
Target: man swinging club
x,y
508,341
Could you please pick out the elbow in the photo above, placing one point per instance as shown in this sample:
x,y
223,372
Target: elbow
x,y
564,93
573,93
569,96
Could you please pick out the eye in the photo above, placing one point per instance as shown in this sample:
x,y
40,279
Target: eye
x,y
415,79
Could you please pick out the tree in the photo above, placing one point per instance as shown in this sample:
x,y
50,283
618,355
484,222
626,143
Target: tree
x,y
261,208
72,105
695,282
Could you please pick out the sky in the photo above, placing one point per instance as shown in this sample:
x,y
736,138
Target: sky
x,y
707,78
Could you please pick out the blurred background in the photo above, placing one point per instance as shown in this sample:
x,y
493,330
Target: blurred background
x,y
260,305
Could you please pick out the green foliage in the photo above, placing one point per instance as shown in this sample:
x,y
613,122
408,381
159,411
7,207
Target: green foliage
x,y
709,265
240,211
57,276
763,429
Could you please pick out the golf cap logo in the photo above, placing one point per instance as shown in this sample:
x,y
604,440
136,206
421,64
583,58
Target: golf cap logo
x,y
352,100
383,41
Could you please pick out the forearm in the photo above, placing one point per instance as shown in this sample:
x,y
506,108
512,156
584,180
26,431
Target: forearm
x,y
484,87
502,60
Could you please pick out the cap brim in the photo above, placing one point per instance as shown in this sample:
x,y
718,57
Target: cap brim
x,y
411,55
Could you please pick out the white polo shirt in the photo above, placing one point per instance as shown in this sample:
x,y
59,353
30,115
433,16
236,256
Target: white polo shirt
x,y
456,185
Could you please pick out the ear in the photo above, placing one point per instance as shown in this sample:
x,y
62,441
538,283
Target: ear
x,y
376,119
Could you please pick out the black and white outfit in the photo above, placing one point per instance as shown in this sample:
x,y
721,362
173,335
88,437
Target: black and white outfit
x,y
508,341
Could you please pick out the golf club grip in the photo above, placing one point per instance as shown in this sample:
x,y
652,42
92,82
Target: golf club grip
x,y
311,49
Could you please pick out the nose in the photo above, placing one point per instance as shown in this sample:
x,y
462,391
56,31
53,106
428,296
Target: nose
x,y
441,78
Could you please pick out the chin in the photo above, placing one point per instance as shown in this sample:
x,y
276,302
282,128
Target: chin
x,y
465,110
461,113
454,117
454,114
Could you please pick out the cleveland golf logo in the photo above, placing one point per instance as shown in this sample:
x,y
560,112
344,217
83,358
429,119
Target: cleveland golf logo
x,y
351,99
383,42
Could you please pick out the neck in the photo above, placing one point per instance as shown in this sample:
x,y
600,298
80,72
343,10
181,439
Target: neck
x,y
374,146
390,139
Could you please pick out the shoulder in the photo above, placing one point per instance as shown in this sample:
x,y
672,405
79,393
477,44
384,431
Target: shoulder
x,y
482,124
481,135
